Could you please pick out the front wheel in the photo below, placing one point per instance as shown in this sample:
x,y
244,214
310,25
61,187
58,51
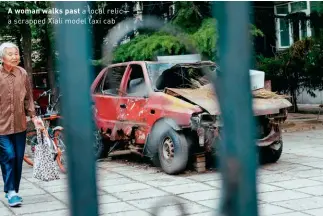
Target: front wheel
x,y
173,152
172,148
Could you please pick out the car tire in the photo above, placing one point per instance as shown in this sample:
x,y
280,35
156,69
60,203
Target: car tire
x,y
173,149
269,154
173,152
216,149
155,160
98,145
216,146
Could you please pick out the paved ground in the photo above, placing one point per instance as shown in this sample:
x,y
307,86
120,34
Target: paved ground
x,y
292,187
302,122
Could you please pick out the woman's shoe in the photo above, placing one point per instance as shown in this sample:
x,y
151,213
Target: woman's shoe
x,y
14,201
6,196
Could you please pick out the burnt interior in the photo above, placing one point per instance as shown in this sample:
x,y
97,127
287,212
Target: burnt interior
x,y
208,118
110,83
183,77
136,85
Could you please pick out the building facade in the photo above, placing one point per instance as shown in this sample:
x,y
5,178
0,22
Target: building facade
x,y
286,33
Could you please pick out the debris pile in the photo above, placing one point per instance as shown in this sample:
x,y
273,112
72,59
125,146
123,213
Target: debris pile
x,y
266,94
194,78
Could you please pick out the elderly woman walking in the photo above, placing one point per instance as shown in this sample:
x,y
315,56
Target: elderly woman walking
x,y
16,102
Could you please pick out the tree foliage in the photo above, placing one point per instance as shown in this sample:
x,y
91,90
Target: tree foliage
x,y
197,30
22,34
148,46
37,42
299,67
296,68
99,31
189,16
205,38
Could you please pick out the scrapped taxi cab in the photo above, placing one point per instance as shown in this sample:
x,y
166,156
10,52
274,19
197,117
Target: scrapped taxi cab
x,y
169,112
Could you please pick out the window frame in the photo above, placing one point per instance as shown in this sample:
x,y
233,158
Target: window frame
x,y
307,11
126,80
99,89
129,79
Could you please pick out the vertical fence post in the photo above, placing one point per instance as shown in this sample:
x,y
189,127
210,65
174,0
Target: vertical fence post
x,y
74,69
238,147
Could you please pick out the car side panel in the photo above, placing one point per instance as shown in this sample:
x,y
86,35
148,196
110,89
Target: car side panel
x,y
141,113
106,111
106,115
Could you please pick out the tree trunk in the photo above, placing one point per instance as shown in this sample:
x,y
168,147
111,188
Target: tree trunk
x,y
18,37
26,45
294,97
49,59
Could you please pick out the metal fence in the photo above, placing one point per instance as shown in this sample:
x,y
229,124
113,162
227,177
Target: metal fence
x,y
238,156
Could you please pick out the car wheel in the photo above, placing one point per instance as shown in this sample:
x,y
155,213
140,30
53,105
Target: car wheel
x,y
172,148
272,153
216,146
216,149
173,152
98,145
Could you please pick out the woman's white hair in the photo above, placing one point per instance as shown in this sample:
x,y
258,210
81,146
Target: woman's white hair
x,y
5,45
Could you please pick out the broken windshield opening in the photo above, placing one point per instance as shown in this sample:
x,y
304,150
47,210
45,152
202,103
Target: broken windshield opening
x,y
171,75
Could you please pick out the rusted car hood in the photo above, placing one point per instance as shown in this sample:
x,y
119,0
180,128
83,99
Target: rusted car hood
x,y
206,99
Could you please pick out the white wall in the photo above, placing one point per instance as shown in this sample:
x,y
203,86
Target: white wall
x,y
305,98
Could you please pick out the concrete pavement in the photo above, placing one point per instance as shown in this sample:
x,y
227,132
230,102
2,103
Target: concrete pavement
x,y
291,187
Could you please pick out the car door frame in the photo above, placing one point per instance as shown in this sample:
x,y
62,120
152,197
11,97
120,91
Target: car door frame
x,y
124,122
103,122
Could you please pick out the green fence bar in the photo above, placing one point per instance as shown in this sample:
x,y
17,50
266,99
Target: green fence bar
x,y
238,152
238,156
74,69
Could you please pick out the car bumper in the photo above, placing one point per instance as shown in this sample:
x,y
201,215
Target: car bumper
x,y
273,136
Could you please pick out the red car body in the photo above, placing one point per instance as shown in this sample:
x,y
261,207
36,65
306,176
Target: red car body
x,y
123,113
140,111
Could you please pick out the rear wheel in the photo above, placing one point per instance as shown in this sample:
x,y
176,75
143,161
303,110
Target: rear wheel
x,y
272,153
31,142
60,144
99,150
62,154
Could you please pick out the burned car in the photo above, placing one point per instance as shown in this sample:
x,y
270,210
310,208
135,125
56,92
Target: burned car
x,y
169,112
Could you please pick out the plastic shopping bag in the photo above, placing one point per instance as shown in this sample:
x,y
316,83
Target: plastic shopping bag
x,y
45,166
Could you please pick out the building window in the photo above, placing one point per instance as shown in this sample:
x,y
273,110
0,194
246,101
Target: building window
x,y
284,33
298,6
282,9
287,33
316,6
